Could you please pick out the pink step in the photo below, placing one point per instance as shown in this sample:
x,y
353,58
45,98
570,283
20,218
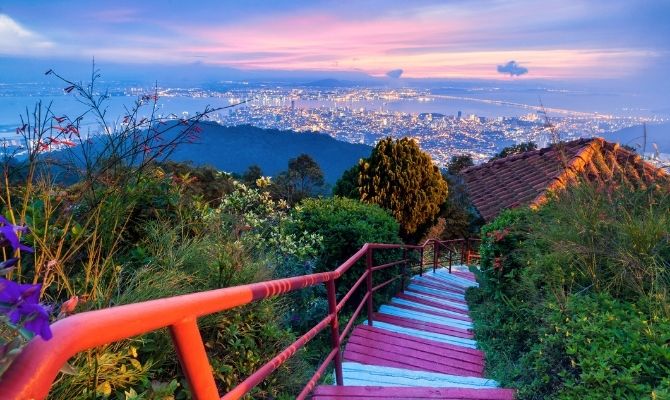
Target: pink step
x,y
460,317
423,326
437,296
452,286
466,353
409,393
466,275
438,286
421,300
376,349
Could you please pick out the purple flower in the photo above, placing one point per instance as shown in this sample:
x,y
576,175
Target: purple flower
x,y
20,303
9,232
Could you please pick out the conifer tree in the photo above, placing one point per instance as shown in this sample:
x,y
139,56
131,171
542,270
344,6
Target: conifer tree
x,y
401,178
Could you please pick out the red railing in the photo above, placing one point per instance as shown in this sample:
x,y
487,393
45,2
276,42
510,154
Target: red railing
x,y
36,367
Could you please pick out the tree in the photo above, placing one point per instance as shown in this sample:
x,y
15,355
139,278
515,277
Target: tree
x,y
305,174
459,163
515,149
401,178
252,174
304,178
347,185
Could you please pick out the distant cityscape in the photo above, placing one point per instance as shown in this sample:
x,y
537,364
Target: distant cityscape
x,y
360,116
365,115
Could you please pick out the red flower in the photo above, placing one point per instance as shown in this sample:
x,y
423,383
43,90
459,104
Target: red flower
x,y
497,264
69,306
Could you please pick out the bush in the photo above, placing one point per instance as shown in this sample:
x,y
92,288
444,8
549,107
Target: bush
x,y
573,300
345,226
599,347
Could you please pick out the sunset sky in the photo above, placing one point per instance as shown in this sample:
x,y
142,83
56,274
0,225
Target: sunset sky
x,y
553,39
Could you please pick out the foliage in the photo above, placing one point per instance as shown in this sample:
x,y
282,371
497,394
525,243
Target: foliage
x,y
573,298
304,178
127,227
401,178
201,183
258,222
251,175
515,149
605,348
345,226
347,185
459,163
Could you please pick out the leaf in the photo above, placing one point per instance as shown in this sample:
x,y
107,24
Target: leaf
x,y
76,229
136,364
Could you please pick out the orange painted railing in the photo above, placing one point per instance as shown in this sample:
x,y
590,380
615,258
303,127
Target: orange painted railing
x,y
32,373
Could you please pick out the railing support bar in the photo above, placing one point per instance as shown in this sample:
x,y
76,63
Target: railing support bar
x,y
436,255
421,263
404,270
335,331
368,260
451,256
193,359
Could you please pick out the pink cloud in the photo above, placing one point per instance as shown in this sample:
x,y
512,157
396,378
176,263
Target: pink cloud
x,y
440,41
437,47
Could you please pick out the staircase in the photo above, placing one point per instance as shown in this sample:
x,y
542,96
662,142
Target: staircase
x,y
420,346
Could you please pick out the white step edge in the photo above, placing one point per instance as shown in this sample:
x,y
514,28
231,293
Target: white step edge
x,y
438,337
423,317
356,374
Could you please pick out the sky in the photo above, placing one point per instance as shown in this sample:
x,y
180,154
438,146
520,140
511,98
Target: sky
x,y
622,42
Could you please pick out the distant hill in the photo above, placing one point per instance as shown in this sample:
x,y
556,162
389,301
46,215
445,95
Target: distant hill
x,y
233,149
633,136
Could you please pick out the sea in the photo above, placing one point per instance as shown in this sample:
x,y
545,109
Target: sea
x,y
488,103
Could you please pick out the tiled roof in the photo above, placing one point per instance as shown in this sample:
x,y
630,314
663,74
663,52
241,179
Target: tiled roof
x,y
526,178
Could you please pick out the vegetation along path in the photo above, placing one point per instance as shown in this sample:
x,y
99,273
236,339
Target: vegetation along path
x,y
420,346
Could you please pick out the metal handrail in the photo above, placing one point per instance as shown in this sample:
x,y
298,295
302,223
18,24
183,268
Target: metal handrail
x,y
33,371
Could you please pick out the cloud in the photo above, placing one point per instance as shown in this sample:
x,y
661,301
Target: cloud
x,y
395,73
512,68
15,39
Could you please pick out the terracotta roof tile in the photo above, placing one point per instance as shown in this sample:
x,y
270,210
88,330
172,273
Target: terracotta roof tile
x,y
525,179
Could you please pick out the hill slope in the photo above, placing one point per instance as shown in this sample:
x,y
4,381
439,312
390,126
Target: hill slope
x,y
633,136
233,149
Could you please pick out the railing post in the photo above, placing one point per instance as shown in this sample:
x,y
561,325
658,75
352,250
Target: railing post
x,y
421,263
467,251
404,270
368,280
451,256
193,359
436,254
335,330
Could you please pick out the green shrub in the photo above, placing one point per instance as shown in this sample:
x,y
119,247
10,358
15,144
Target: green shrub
x,y
345,226
599,347
573,301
